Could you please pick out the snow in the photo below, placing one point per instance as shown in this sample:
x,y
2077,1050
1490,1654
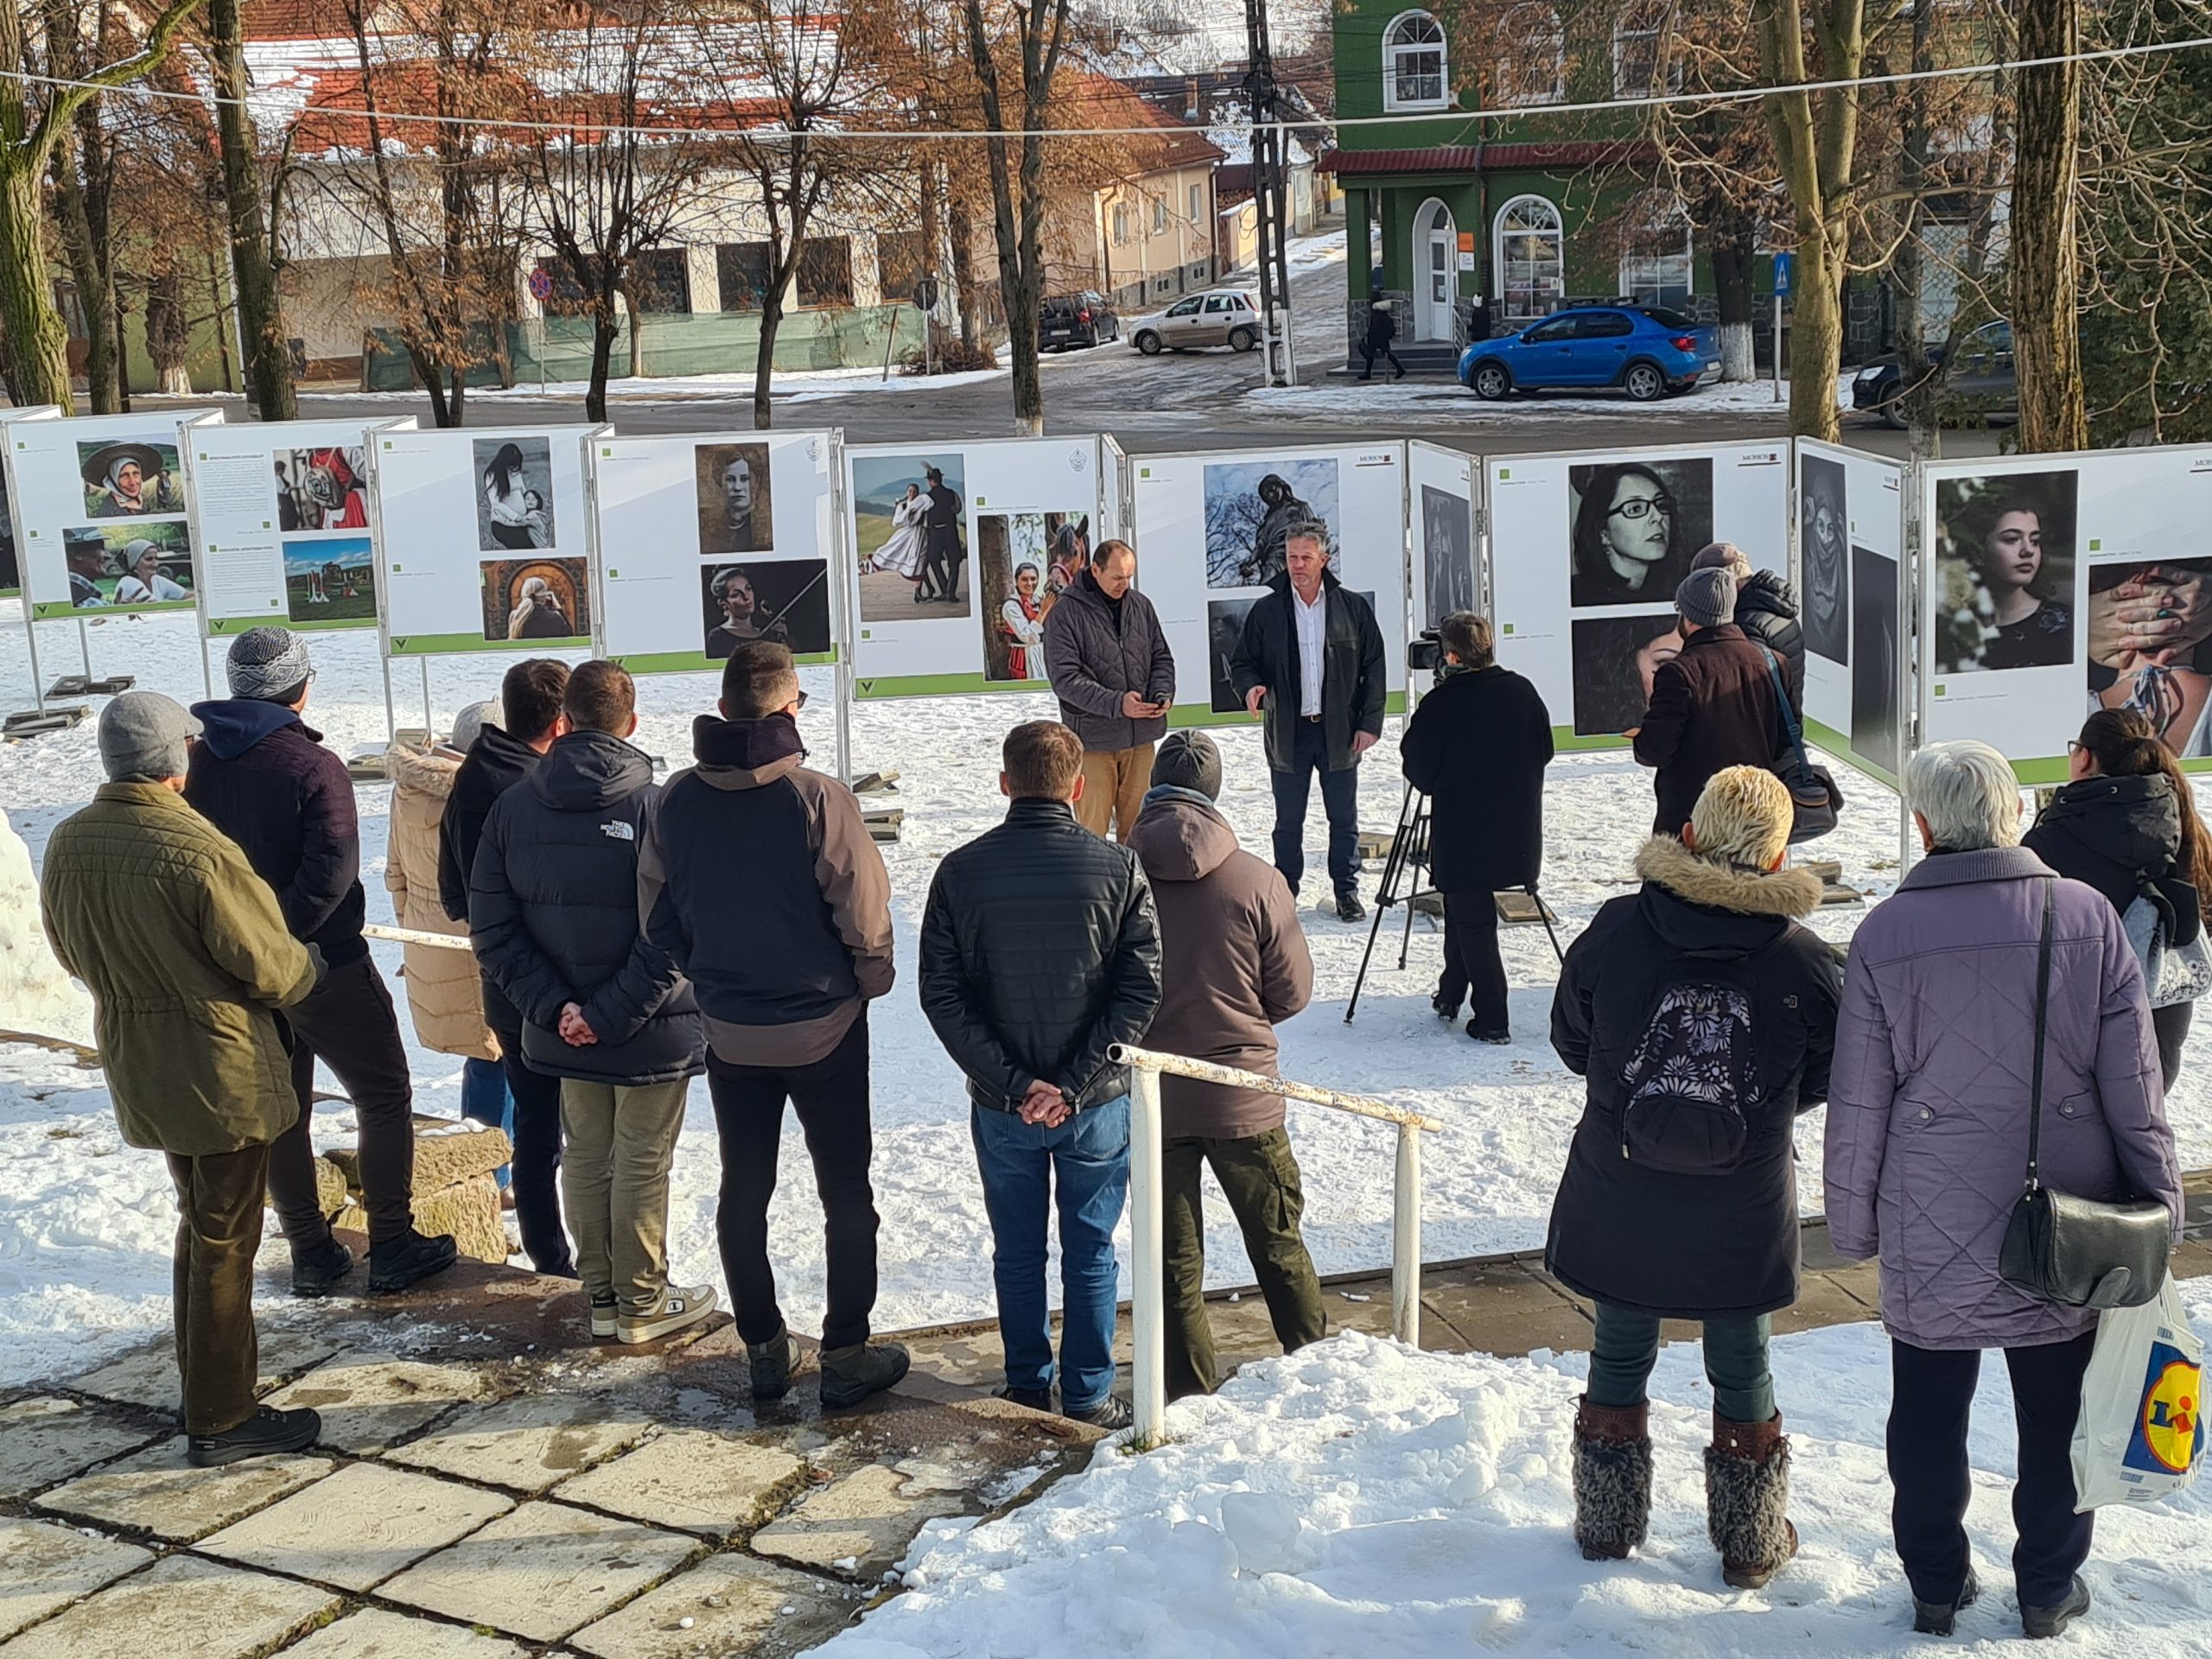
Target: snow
x,y
1359,1496
797,387
35,995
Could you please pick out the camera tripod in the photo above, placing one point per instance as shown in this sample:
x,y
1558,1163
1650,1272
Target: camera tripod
x,y
1401,886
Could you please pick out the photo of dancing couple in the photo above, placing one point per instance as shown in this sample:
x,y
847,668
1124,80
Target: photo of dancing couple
x,y
909,527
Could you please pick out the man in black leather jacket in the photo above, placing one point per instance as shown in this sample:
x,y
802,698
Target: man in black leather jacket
x,y
1039,952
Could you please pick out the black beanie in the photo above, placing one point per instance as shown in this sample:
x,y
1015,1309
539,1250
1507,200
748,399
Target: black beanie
x,y
1188,761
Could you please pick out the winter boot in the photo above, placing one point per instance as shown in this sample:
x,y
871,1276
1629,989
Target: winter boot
x,y
1612,1478
394,1267
1941,1617
321,1268
2038,1621
773,1362
850,1374
267,1431
1747,1501
1110,1414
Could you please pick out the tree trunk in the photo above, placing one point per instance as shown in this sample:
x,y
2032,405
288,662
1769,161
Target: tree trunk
x,y
963,280
254,275
2045,265
603,329
168,334
763,361
95,289
29,321
636,330
1730,238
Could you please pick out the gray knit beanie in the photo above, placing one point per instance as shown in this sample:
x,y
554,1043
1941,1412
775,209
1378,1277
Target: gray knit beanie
x,y
142,738
1706,598
1188,759
469,724
268,664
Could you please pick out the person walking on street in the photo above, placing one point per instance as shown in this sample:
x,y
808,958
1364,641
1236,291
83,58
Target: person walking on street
x,y
261,776
1310,664
1704,1018
1233,966
1766,610
532,721
1039,952
1477,746
1713,707
188,960
1116,679
760,881
1382,330
553,914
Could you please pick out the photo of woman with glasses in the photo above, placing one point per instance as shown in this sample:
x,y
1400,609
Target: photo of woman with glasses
x,y
1636,525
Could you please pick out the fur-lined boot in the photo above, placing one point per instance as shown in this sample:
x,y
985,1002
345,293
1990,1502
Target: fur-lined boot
x,y
1612,1478
1747,1501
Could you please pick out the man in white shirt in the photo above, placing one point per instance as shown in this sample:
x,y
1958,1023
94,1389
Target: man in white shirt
x,y
1310,664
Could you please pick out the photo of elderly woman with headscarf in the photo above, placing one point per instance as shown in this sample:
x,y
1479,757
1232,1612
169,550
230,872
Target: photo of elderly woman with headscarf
x,y
1824,552
1637,526
143,581
2151,646
537,598
1251,506
514,493
2005,571
129,479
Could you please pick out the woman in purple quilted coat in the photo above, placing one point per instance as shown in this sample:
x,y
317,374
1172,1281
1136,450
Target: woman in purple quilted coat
x,y
1928,1151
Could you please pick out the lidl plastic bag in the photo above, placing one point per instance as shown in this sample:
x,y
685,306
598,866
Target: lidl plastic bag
x,y
2140,1436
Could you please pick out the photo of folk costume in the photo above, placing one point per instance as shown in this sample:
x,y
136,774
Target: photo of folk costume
x,y
1021,619
942,553
901,552
124,480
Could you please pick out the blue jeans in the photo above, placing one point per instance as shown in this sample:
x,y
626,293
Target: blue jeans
x,y
1339,802
1084,1164
485,1099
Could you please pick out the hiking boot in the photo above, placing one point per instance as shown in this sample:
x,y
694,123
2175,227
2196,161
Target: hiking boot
x,y
2039,1622
1109,1414
1348,909
680,1307
1497,1036
773,1362
321,1268
1035,1399
395,1267
850,1374
1941,1618
602,1318
1747,1501
1612,1478
268,1431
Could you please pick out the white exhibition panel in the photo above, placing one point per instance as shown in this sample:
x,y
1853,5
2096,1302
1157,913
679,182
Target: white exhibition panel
x,y
1117,483
2057,584
1849,568
485,539
11,569
1585,552
102,505
1443,489
280,514
1209,535
705,539
1018,504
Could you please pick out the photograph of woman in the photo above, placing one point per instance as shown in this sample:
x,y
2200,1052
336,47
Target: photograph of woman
x,y
1011,560
740,615
2150,647
1447,552
909,532
1615,658
1637,526
1824,550
142,582
515,484
536,598
736,513
2004,564
1021,619
1070,540
126,480
901,552
786,600
1876,690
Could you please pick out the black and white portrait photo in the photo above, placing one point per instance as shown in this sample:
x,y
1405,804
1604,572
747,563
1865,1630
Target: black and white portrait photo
x,y
514,494
537,598
1636,525
1824,552
1448,554
1251,505
1225,626
1615,658
736,514
2005,571
1875,692
784,599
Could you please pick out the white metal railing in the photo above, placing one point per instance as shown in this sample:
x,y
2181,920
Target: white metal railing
x,y
1147,1300
416,936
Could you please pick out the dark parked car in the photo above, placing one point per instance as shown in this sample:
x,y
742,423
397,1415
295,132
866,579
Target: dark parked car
x,y
1973,384
1646,351
1072,320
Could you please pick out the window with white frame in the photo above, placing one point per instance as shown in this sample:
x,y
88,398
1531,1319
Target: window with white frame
x,y
1655,250
1532,56
1414,63
1197,203
1642,61
1531,253
1120,224
1158,214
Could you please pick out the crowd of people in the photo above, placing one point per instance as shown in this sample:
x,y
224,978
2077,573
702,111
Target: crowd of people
x,y
210,899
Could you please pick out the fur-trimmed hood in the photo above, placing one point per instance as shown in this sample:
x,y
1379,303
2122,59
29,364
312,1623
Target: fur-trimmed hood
x,y
430,771
1788,893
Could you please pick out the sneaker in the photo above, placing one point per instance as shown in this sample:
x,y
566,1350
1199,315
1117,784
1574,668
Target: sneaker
x,y
602,1318
850,1374
1499,1034
1035,1399
773,1362
1941,1617
1446,1008
267,1431
2039,1622
321,1268
395,1267
1109,1414
681,1307
1348,909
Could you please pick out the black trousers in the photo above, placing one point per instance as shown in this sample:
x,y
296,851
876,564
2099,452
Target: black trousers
x,y
1471,962
2170,1025
831,1099
1370,351
1932,1391
349,1024
534,1177
218,1199
1339,803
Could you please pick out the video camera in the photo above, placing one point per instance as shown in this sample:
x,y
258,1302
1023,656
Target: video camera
x,y
1425,655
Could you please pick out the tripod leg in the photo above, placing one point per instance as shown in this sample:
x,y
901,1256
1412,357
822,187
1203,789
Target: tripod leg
x,y
1415,836
1544,915
1392,867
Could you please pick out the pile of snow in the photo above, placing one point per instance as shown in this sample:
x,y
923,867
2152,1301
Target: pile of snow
x,y
35,996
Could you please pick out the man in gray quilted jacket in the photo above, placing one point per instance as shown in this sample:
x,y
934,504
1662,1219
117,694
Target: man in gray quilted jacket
x,y
1114,677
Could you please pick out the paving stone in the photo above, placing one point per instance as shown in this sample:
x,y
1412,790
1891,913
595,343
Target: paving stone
x,y
857,1526
156,1491
373,1633
694,1480
44,1441
358,1528
180,1608
529,1443
44,1566
736,1606
149,1377
541,1571
368,1400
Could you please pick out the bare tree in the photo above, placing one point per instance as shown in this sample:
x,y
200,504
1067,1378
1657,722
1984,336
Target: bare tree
x,y
2043,258
253,269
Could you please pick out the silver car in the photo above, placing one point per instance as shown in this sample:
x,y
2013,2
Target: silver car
x,y
1220,316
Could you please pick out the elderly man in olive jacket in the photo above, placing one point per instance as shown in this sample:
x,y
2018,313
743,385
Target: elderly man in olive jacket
x,y
189,959
1116,678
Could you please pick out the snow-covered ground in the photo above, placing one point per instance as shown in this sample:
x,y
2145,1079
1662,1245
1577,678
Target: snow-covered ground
x,y
85,1222
1360,1497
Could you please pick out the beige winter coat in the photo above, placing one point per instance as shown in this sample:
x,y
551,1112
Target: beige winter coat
x,y
443,990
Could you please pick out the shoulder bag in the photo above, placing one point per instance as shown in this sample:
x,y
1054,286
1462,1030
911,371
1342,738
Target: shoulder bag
x,y
2078,1252
1812,791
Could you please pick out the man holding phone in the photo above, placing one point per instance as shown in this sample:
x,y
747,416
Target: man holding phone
x,y
1112,672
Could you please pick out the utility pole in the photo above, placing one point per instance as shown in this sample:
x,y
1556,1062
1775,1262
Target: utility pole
x,y
1270,179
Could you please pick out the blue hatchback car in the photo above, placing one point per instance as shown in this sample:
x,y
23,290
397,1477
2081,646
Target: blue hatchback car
x,y
1646,351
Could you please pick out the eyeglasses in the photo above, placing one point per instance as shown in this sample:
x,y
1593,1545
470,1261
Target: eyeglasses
x,y
801,703
1642,506
2074,747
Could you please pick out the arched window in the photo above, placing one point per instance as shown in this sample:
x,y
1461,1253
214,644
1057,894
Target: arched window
x,y
1530,258
1414,63
1532,56
1656,252
1642,60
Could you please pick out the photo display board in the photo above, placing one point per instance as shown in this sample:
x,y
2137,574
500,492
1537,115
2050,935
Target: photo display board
x,y
1585,552
2060,584
1446,579
105,512
11,569
959,551
280,513
708,540
1210,537
485,539
1851,594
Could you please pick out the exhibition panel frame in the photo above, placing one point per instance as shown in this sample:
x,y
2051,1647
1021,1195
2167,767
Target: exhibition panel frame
x,y
1853,581
11,578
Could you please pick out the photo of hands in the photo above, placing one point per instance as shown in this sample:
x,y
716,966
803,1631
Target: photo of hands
x,y
2151,646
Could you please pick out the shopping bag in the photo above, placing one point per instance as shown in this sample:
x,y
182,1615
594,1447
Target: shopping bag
x,y
2140,1436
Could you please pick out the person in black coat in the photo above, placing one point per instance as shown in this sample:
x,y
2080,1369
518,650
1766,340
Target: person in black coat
x,y
553,914
1382,330
1477,746
1715,705
1308,618
2128,825
1704,1018
941,550
1766,610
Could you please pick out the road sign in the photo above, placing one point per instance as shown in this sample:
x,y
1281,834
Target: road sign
x,y
541,285
926,292
1785,267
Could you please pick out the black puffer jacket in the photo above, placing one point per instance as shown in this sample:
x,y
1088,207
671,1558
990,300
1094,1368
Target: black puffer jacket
x,y
553,914
1766,610
495,763
1693,1246
2122,837
1040,950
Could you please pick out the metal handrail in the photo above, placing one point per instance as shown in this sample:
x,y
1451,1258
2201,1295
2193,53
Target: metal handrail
x,y
416,936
